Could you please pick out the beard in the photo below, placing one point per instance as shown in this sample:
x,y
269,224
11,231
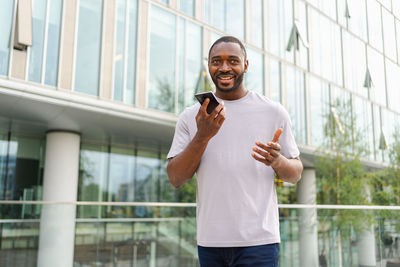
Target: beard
x,y
236,84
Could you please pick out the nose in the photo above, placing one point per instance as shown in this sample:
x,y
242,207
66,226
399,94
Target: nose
x,y
225,66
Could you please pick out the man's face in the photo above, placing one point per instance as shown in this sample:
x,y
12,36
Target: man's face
x,y
227,66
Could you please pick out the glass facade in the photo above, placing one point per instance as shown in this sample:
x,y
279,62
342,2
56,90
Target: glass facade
x,y
6,18
306,54
125,51
43,56
87,65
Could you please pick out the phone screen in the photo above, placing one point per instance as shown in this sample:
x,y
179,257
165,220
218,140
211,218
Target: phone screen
x,y
213,101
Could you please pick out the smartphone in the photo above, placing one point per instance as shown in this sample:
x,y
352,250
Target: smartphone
x,y
213,101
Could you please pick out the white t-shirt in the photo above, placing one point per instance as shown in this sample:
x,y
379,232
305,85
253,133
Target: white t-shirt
x,y
236,196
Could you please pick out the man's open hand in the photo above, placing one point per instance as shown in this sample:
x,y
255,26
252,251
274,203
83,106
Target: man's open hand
x,y
268,153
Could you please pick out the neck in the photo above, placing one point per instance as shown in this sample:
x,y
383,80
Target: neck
x,y
233,95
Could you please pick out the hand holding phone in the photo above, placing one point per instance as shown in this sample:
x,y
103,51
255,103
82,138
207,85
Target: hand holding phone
x,y
213,100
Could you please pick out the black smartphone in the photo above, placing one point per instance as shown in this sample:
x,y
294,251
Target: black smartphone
x,y
213,101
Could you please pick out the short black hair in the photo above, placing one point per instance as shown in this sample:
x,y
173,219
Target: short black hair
x,y
228,39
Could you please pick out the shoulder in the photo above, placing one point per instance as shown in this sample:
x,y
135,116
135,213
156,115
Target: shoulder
x,y
264,101
189,112
272,107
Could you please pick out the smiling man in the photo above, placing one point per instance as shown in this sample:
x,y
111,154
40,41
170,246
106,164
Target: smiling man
x,y
237,210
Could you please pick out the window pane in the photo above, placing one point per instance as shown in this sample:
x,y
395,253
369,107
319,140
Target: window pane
x,y
119,56
398,37
358,20
390,121
387,3
393,82
256,22
131,57
275,80
389,34
146,179
93,174
38,30
326,6
161,93
341,6
21,170
374,24
234,17
363,128
302,52
325,55
296,102
167,192
254,80
319,110
377,131
396,8
53,42
280,25
88,47
226,15
6,17
355,65
187,6
193,64
121,174
376,68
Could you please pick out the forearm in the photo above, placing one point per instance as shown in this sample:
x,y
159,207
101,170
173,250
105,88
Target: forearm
x,y
288,170
182,167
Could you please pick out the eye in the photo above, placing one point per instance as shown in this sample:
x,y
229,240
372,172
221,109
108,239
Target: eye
x,y
234,61
215,61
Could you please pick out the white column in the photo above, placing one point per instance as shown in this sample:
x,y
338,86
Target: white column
x,y
60,183
366,247
308,235
366,242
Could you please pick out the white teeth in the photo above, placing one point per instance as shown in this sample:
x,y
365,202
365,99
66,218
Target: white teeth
x,y
225,78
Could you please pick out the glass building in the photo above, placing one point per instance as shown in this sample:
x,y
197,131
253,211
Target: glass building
x,y
90,91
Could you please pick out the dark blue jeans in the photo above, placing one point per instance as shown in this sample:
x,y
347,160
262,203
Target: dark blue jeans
x,y
255,256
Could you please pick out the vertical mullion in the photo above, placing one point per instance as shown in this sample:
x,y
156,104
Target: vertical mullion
x,y
113,49
60,53
75,45
102,48
184,37
176,77
125,56
44,57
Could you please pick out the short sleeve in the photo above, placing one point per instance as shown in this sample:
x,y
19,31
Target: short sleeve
x,y
288,144
181,137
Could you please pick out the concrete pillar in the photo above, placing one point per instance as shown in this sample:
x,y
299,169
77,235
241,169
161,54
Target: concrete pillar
x,y
366,242
60,183
308,232
366,248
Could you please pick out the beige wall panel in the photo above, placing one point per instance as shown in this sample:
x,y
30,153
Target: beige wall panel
x,y
24,23
141,81
68,41
18,68
106,79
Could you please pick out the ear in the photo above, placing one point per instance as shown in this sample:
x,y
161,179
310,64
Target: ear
x,y
246,65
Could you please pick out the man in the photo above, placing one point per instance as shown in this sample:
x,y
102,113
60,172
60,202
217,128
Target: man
x,y
237,213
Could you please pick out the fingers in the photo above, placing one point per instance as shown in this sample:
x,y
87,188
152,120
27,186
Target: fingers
x,y
276,135
205,105
266,153
217,110
221,116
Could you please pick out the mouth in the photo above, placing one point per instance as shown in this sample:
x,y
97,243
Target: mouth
x,y
226,78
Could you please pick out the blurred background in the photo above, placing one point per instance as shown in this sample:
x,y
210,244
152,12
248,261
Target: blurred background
x,y
90,91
